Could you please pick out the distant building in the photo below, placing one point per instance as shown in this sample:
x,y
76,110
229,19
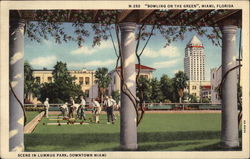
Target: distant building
x,y
206,91
84,77
197,88
215,74
115,84
194,68
194,60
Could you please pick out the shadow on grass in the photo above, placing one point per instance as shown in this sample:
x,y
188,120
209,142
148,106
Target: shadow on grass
x,y
216,147
84,139
178,136
157,146
163,146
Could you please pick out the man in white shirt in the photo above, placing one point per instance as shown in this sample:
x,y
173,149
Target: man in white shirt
x,y
81,108
64,109
46,104
97,110
113,106
109,103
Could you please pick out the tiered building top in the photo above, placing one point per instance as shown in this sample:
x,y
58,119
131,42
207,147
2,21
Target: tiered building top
x,y
194,61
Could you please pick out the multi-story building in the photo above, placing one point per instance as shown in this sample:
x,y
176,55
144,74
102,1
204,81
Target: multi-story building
x,y
194,60
196,88
206,91
215,74
115,84
194,67
84,77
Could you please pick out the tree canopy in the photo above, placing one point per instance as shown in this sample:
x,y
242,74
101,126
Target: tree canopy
x,y
180,83
103,80
62,87
50,24
167,88
31,87
144,89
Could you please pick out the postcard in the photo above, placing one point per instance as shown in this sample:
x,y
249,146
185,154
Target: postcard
x,y
124,79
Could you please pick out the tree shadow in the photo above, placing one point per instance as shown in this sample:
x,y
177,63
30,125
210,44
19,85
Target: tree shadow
x,y
67,140
215,147
177,136
163,146
144,139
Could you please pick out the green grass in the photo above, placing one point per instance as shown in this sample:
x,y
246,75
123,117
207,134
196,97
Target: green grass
x,y
31,115
157,132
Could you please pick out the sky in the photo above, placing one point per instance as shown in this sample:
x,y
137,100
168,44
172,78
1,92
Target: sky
x,y
165,60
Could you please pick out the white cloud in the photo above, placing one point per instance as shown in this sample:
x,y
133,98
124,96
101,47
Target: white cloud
x,y
48,43
169,51
88,50
164,64
43,61
92,63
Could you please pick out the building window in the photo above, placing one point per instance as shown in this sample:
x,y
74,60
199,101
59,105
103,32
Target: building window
x,y
38,79
87,80
145,76
87,92
193,87
49,79
81,80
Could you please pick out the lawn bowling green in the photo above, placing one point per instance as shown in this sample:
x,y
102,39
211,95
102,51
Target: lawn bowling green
x,y
159,131
60,120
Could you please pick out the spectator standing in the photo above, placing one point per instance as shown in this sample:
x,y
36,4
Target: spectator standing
x,y
109,108
46,104
71,107
113,104
81,109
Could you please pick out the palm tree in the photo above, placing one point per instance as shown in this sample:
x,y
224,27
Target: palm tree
x,y
103,80
180,83
31,87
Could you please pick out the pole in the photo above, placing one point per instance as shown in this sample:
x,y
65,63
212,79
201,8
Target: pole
x,y
16,77
128,128
229,132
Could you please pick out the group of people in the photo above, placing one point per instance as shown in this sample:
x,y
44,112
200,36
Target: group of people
x,y
70,108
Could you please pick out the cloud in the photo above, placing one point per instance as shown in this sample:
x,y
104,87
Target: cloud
x,y
164,64
169,51
43,61
48,43
92,63
88,50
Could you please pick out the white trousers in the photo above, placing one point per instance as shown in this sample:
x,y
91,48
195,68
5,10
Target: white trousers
x,y
47,112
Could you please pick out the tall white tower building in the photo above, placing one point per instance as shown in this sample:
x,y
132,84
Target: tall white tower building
x,y
194,61
194,67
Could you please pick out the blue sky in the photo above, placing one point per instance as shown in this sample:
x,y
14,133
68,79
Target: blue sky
x,y
165,60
